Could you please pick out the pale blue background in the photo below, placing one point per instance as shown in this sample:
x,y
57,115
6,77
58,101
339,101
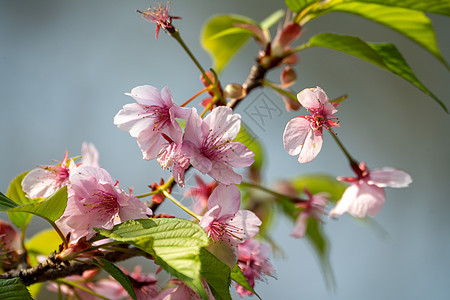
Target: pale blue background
x,y
65,66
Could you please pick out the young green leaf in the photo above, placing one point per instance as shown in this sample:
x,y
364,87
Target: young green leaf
x,y
50,209
16,194
6,203
118,275
385,56
216,274
272,19
175,244
13,289
411,23
432,6
222,40
238,277
299,5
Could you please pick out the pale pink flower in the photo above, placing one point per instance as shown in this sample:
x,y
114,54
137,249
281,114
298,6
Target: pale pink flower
x,y
208,145
226,225
46,180
96,201
153,114
254,263
172,157
201,194
183,292
10,246
303,135
312,208
366,193
160,16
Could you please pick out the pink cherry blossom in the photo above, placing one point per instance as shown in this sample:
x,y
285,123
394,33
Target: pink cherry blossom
x,y
226,225
312,208
303,134
160,16
254,263
96,201
208,145
201,194
172,157
153,114
366,196
46,180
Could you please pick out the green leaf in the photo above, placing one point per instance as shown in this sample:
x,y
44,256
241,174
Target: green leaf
x,y
16,193
43,242
432,6
413,24
50,209
13,289
385,56
216,274
318,183
299,5
238,277
320,244
246,137
34,289
222,40
118,275
174,243
6,203
272,19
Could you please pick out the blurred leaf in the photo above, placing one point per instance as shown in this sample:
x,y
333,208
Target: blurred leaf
x,y
175,244
216,274
34,289
222,40
318,183
411,23
299,5
246,137
432,6
16,193
51,209
320,244
118,275
272,19
385,56
43,242
238,277
13,289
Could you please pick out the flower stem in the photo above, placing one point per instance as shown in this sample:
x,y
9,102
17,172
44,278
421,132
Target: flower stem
x,y
269,191
161,188
168,195
59,232
193,97
176,35
351,160
281,91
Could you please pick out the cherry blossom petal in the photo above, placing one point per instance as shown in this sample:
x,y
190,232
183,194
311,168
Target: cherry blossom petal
x,y
300,225
89,155
248,222
238,155
130,119
39,183
308,99
295,134
150,143
224,123
146,95
389,177
226,252
224,173
197,159
228,197
311,146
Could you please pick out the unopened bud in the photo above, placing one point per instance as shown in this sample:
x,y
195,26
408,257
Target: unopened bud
x,y
235,91
288,77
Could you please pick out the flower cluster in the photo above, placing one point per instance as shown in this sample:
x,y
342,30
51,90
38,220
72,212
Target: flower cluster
x,y
206,144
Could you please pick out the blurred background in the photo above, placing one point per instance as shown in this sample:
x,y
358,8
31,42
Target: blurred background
x,y
65,66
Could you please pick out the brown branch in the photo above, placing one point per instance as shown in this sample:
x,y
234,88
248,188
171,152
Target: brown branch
x,y
52,268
